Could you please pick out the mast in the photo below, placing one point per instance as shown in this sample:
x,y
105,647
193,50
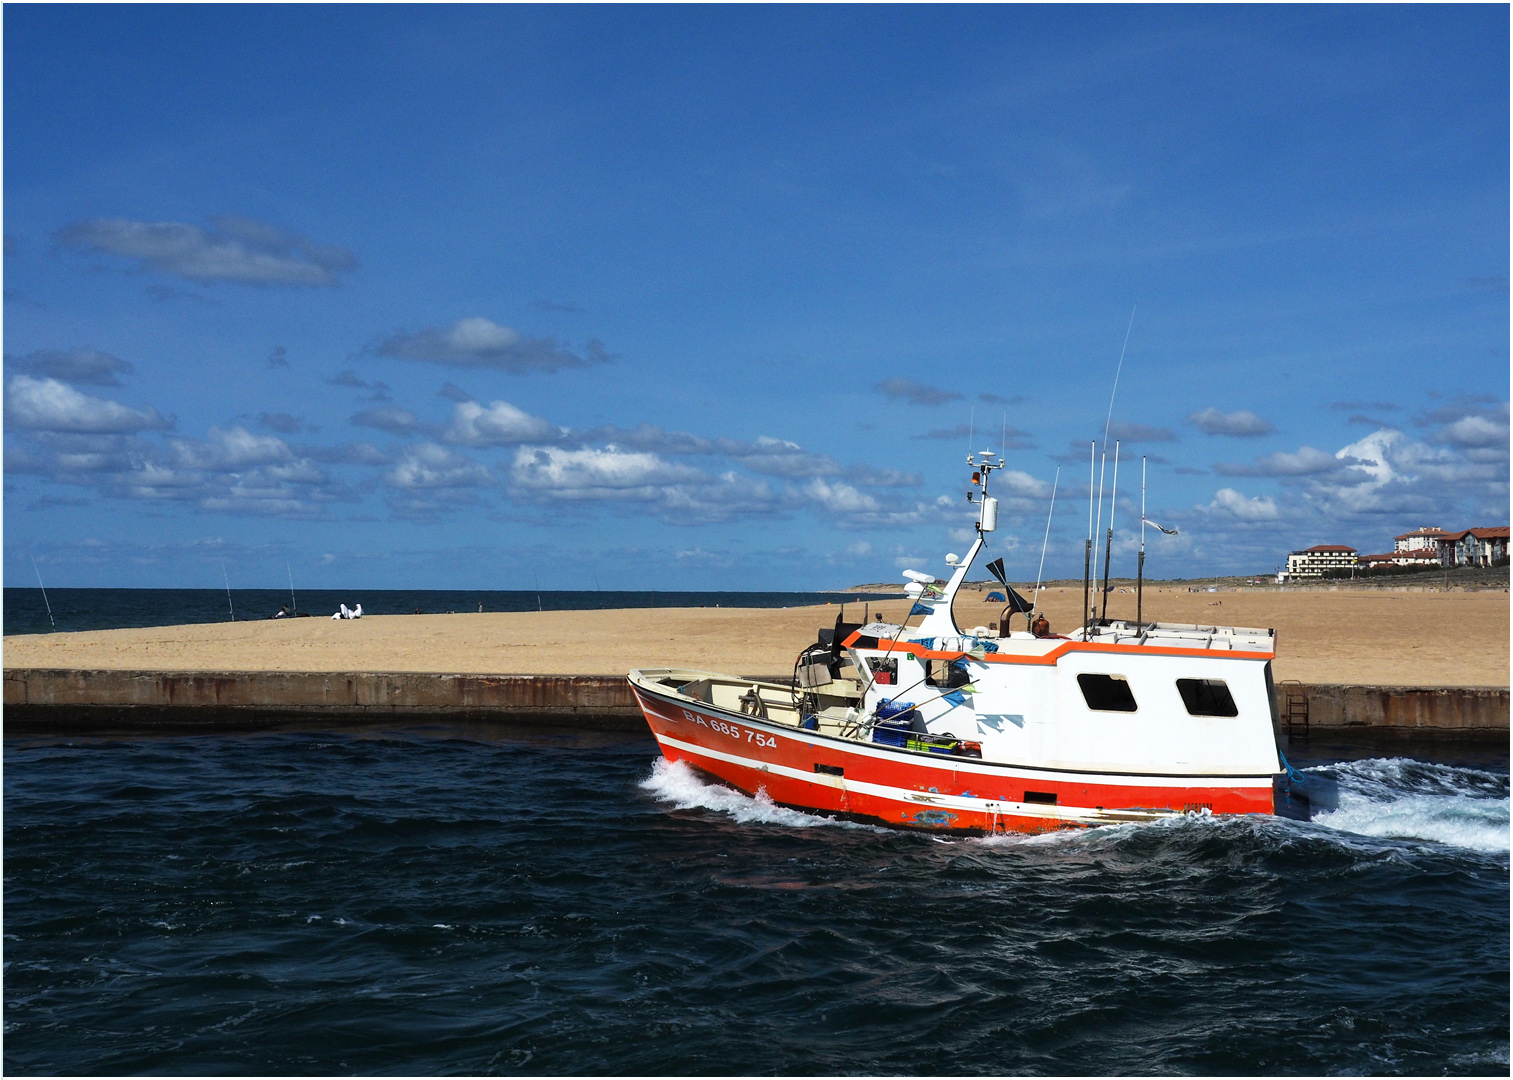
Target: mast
x,y
940,620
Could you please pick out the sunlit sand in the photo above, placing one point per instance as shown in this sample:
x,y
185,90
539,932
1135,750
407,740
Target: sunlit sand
x,y
1370,637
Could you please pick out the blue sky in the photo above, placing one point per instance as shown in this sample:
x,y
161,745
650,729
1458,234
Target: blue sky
x,y
701,298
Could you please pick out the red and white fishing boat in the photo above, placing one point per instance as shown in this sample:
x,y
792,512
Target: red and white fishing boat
x,y
990,730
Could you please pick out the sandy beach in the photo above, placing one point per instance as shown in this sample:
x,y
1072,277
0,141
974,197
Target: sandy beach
x,y
1352,636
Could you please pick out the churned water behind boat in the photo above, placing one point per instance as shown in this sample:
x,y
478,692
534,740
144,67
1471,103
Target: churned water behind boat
x,y
450,900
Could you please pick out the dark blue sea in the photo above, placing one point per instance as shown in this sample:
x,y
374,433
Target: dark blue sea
x,y
27,610
487,900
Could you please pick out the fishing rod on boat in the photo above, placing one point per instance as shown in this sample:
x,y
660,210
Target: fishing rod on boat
x,y
921,681
937,697
892,644
1107,421
1140,563
1087,554
1102,470
1140,571
1109,543
1035,601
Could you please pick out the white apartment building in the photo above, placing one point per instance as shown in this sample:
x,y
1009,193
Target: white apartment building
x,y
1321,557
1426,537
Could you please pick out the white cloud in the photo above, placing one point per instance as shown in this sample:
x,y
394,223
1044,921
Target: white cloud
x,y
1307,461
481,343
778,457
231,449
1241,424
1230,501
840,498
1477,431
427,466
610,473
394,421
1013,483
233,249
481,336
497,424
700,557
1372,455
49,405
1393,474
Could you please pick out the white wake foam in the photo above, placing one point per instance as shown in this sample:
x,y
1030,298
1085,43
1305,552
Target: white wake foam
x,y
674,782
1401,799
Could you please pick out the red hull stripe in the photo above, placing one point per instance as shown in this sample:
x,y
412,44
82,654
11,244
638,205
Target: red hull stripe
x,y
869,795
922,653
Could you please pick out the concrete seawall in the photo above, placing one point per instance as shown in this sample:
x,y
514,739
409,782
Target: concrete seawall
x,y
43,700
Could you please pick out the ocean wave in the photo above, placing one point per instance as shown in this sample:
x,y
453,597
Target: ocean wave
x,y
1402,799
677,783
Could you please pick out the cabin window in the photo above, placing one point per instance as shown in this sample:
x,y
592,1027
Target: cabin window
x,y
884,672
945,674
1207,697
1107,693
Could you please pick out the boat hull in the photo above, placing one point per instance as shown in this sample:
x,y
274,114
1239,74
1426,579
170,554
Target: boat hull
x,y
902,788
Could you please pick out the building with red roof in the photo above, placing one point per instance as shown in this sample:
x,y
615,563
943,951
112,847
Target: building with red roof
x,y
1425,537
1483,546
1313,562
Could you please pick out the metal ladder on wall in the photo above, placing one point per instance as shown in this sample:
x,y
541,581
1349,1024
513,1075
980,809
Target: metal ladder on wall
x,y
1294,708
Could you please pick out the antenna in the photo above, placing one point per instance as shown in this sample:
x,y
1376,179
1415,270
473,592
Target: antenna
x,y
1109,544
971,429
45,601
228,591
1140,565
1003,434
293,606
1041,572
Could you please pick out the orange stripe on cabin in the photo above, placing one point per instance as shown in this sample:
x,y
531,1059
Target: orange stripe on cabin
x,y
921,653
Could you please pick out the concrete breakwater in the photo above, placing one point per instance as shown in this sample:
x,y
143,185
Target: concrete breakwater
x,y
40,700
